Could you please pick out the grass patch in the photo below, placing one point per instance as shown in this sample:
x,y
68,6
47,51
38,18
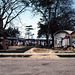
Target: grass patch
x,y
20,50
69,56
15,55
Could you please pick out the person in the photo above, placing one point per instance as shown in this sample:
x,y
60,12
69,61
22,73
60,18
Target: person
x,y
4,44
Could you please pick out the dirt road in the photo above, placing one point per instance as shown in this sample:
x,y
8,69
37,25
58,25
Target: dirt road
x,y
29,66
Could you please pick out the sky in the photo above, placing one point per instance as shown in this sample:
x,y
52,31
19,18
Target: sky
x,y
74,4
25,19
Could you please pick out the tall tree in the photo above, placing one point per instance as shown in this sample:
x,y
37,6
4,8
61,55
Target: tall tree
x,y
44,7
9,10
56,14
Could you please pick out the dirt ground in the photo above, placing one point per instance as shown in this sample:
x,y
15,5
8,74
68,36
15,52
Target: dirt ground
x,y
37,64
42,50
28,66
15,47
65,51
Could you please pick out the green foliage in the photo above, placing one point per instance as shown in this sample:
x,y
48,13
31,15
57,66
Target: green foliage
x,y
9,10
42,3
11,32
56,14
43,30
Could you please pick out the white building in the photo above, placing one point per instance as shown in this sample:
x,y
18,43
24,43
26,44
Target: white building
x,y
64,38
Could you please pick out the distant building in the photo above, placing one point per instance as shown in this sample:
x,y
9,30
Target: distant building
x,y
13,41
73,38
64,39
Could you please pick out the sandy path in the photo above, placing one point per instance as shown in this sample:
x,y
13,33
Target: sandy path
x,y
42,50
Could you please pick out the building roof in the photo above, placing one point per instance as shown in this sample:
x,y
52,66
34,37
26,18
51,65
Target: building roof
x,y
14,38
66,31
73,32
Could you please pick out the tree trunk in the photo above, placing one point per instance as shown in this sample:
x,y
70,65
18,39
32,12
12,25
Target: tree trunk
x,y
47,39
2,33
1,26
49,27
52,40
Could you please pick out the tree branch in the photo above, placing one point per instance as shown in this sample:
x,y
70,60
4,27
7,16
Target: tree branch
x,y
13,17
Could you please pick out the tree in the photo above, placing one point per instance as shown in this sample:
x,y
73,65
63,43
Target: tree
x,y
56,14
43,31
9,10
28,29
11,32
44,7
64,14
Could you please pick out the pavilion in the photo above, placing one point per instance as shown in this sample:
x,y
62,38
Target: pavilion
x,y
64,39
